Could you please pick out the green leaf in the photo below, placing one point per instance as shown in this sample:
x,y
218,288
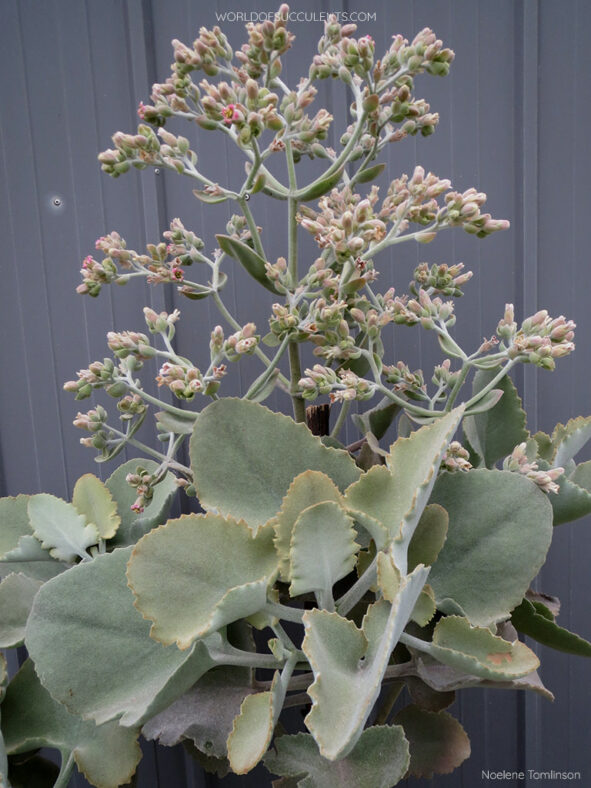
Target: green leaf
x,y
438,743
133,526
531,620
424,609
235,434
307,489
92,649
32,718
545,446
209,199
93,499
486,403
370,173
475,650
206,590
581,475
429,536
379,760
60,528
204,714
378,419
500,528
569,439
253,727
17,592
571,501
495,433
170,422
349,664
397,495
320,187
246,255
323,549
19,550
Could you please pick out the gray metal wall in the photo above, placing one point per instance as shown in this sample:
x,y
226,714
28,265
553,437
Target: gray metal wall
x,y
515,119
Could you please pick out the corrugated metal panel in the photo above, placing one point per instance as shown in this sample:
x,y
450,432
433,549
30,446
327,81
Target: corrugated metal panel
x,y
514,120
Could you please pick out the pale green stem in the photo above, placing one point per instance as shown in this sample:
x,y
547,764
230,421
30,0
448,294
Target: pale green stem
x,y
228,655
185,414
262,379
284,612
415,409
457,386
295,368
66,769
151,452
490,386
354,595
341,418
391,240
254,233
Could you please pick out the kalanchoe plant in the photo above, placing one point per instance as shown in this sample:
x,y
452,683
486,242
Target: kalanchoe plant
x,y
316,575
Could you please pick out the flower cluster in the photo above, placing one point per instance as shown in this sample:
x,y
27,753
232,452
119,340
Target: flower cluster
x,y
163,322
305,132
519,462
403,380
266,42
138,150
456,458
183,380
343,385
130,343
540,340
443,279
425,53
339,55
100,374
143,483
248,108
242,343
424,310
346,224
94,421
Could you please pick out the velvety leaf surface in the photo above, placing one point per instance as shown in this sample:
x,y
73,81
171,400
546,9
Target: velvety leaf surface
x,y
198,573
107,754
477,651
17,592
93,499
204,714
246,255
438,743
495,433
429,536
528,619
500,528
323,549
307,489
60,528
253,727
573,499
20,551
379,760
569,439
349,663
237,474
84,628
133,526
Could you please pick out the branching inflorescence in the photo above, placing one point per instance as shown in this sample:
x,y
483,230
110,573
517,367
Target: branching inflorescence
x,y
326,550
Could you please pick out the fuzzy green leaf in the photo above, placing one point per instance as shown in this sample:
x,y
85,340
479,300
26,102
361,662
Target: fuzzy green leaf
x,y
429,536
186,584
572,501
379,760
170,422
495,433
17,592
500,528
475,650
323,549
236,474
438,743
119,672
93,499
60,528
106,755
396,495
307,489
133,526
20,551
529,618
370,173
378,419
569,439
246,255
349,664
204,714
319,188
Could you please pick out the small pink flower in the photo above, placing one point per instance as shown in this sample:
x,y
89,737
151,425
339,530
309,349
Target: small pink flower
x,y
141,110
230,114
87,262
178,274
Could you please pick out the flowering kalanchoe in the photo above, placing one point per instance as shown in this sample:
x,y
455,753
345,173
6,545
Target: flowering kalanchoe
x,y
519,462
266,42
183,381
163,322
424,309
540,340
352,387
98,375
143,482
317,381
130,343
130,406
456,458
242,343
442,279
403,380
